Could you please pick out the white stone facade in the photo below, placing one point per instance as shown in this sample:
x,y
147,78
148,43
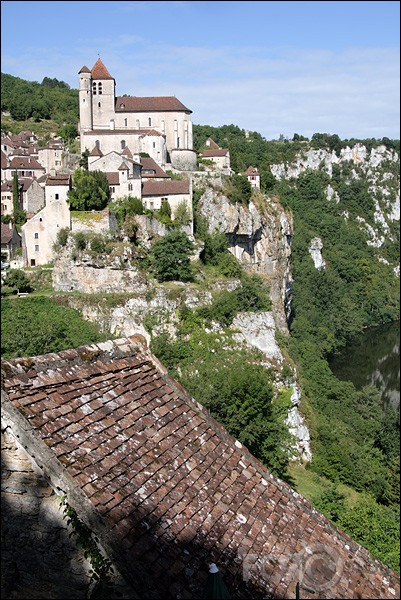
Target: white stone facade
x,y
156,125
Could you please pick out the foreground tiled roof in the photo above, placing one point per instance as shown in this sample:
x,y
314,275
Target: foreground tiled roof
x,y
167,490
165,188
150,103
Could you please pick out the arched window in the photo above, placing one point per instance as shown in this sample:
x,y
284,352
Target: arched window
x,y
97,144
99,88
94,88
99,105
122,144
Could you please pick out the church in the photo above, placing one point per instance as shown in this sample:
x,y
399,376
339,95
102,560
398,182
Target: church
x,y
159,126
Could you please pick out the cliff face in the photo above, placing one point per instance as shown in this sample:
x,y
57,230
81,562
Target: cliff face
x,y
379,167
259,237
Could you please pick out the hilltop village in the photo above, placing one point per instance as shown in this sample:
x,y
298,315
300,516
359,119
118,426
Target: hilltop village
x,y
136,461
144,145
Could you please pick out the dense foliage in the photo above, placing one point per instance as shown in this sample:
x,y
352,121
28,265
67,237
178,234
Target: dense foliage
x,y
90,190
34,326
171,257
51,99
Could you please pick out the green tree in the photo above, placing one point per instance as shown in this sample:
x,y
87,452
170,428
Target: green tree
x,y
37,326
83,161
171,257
17,280
18,213
68,133
90,190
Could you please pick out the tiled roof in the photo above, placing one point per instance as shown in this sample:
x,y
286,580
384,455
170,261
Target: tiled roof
x,y
252,171
6,233
127,152
166,489
113,178
123,167
60,179
25,162
217,152
99,71
7,186
126,132
4,160
96,152
148,164
211,143
165,188
84,70
148,104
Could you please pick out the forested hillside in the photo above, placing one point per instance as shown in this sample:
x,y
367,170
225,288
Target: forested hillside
x,y
50,99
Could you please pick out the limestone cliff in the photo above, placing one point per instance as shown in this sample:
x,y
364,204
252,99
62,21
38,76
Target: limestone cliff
x,y
259,237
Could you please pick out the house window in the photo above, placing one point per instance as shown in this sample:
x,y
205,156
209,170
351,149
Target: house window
x,y
99,89
94,88
130,187
56,196
150,122
36,236
99,105
151,204
97,144
112,189
178,142
36,248
33,262
154,144
122,144
125,122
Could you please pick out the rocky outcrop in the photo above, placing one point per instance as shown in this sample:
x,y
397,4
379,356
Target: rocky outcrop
x,y
259,237
315,250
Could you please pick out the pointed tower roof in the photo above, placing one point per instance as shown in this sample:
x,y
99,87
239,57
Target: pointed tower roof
x,y
96,152
99,71
127,152
84,70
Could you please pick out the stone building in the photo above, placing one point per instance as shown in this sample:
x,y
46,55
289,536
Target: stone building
x,y
40,232
160,126
162,487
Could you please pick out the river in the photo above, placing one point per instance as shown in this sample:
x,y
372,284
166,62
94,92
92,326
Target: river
x,y
373,358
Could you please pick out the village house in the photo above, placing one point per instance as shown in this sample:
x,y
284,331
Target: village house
x,y
26,166
176,193
159,126
7,197
40,233
220,157
51,158
253,176
10,241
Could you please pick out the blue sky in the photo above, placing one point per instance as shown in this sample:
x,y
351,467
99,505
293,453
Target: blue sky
x,y
271,67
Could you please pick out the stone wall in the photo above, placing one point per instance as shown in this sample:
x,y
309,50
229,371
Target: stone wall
x,y
39,556
39,559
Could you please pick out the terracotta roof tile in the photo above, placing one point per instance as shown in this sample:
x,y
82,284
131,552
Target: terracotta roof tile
x,y
165,188
216,152
149,103
99,71
172,488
